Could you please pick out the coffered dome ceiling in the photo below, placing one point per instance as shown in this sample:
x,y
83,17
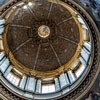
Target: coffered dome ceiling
x,y
30,48
43,38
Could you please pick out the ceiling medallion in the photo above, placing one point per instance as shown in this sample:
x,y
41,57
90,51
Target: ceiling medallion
x,y
44,31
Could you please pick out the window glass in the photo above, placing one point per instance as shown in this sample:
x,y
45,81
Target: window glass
x,y
81,20
13,79
48,88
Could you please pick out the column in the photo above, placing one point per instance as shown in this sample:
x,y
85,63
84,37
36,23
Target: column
x,y
71,76
4,65
87,45
57,84
85,55
2,54
23,82
30,85
38,86
63,80
8,71
2,21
